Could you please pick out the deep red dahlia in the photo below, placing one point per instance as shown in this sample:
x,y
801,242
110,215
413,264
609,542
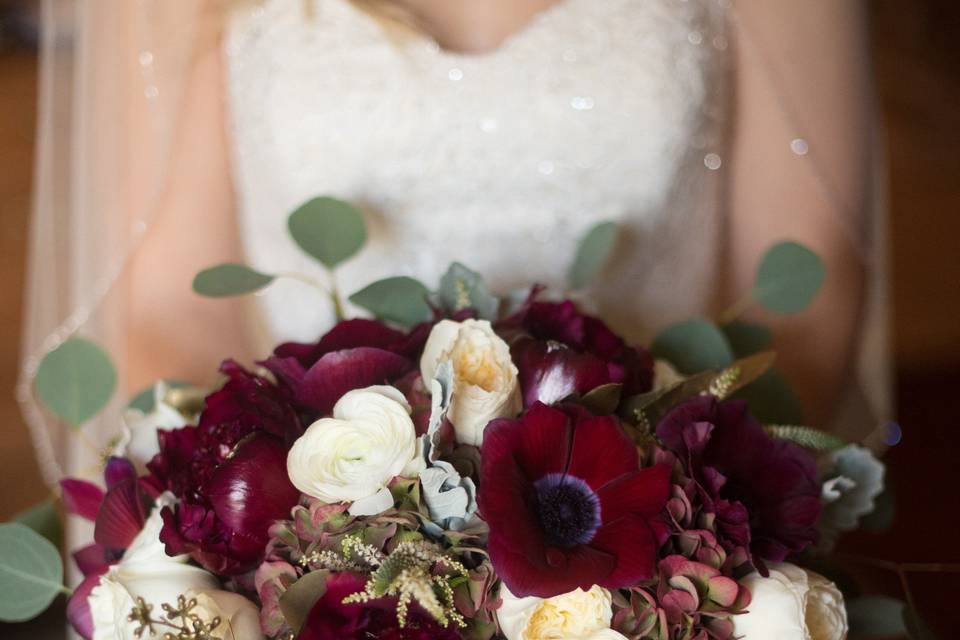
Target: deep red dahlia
x,y
567,504
560,351
728,452
330,619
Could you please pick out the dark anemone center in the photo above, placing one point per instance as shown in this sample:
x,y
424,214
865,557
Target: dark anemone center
x,y
569,510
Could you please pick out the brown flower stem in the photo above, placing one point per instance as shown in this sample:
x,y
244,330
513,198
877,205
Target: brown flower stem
x,y
736,310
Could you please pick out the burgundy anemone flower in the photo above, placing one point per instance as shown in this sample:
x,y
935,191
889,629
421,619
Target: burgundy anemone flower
x,y
229,473
330,619
567,504
727,451
560,351
353,355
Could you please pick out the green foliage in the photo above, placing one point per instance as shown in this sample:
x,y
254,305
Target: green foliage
x,y
44,519
771,400
144,400
75,380
297,601
31,574
592,254
461,288
226,280
788,279
747,338
328,229
692,346
806,437
400,299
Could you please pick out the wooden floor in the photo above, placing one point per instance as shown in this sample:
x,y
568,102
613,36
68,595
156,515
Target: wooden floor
x,y
918,77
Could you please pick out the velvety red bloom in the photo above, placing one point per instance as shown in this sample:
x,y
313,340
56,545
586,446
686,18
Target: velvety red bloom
x,y
229,473
330,619
560,351
567,504
353,355
727,451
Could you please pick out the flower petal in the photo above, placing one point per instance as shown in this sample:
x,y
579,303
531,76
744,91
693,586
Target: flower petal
x,y
642,492
78,607
631,541
341,371
81,498
91,559
118,470
602,452
122,516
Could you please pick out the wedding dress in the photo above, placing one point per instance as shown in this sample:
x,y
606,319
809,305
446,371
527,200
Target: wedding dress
x,y
615,110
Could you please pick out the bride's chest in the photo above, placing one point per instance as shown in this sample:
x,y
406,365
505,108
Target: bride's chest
x,y
607,94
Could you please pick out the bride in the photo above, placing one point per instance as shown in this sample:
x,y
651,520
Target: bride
x,y
177,135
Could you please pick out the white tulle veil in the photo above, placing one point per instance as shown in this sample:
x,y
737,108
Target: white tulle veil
x,y
111,78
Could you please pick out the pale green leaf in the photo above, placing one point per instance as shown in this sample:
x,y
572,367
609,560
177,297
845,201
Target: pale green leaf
x,y
771,400
693,345
225,280
461,288
789,277
400,299
747,338
328,229
144,400
31,573
592,254
297,601
44,519
75,380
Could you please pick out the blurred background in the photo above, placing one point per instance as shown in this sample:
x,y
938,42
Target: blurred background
x,y
916,45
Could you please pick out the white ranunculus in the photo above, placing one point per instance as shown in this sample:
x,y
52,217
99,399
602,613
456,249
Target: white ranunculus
x,y
577,615
352,456
147,572
791,604
139,442
485,383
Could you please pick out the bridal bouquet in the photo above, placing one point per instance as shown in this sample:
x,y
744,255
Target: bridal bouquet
x,y
456,466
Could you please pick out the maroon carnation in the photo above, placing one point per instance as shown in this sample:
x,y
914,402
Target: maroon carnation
x,y
728,452
560,351
567,504
331,619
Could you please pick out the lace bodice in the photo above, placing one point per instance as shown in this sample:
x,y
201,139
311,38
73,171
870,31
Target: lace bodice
x,y
593,111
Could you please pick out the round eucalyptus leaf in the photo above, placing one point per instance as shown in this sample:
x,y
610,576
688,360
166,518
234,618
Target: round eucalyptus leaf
x,y
871,616
31,573
328,229
76,380
44,519
400,299
225,280
789,277
693,345
145,402
462,288
747,338
592,254
772,400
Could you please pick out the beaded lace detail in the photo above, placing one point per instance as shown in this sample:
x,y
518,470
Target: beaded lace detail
x,y
596,110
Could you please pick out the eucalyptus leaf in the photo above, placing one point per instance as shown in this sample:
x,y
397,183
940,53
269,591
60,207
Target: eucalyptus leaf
x,y
789,277
229,279
31,573
44,519
876,616
76,380
603,400
400,299
144,401
328,229
592,254
747,338
297,601
693,345
461,288
771,400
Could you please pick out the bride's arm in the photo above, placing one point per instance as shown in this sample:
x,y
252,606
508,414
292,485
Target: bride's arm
x,y
802,71
175,333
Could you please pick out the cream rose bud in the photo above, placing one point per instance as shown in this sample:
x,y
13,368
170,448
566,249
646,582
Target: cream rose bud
x,y
139,442
485,383
352,456
577,615
791,604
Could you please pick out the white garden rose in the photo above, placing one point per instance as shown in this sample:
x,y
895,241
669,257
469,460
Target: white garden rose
x,y
145,571
352,456
485,383
791,604
577,615
139,443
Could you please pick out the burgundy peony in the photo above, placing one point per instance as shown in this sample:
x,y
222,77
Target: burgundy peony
x,y
560,351
567,504
229,473
353,355
728,452
330,619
